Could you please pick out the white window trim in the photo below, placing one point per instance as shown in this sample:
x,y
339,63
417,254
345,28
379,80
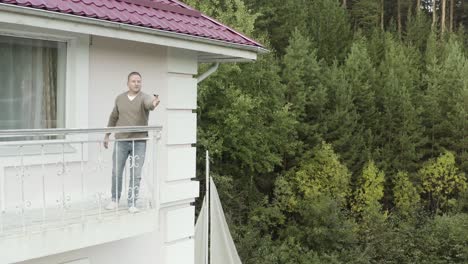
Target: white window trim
x,y
76,95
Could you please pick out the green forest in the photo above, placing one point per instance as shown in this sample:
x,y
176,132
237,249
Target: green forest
x,y
348,141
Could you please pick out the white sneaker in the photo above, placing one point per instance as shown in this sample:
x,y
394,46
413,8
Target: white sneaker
x,y
133,210
111,206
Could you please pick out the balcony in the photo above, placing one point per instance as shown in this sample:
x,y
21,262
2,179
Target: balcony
x,y
55,185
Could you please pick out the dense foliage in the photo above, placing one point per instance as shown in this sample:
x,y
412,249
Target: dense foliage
x,y
348,142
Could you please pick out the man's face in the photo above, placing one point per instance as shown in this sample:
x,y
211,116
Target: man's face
x,y
134,83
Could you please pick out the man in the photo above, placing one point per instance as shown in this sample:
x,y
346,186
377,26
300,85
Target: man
x,y
131,109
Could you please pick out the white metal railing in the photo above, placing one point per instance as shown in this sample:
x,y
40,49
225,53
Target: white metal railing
x,y
55,183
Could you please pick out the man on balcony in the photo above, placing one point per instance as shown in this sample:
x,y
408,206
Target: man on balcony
x,y
131,109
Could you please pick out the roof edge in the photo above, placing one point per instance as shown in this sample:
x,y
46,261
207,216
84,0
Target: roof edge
x,y
221,24
117,25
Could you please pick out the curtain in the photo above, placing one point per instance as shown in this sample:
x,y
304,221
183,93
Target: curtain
x,y
29,85
49,91
201,235
222,249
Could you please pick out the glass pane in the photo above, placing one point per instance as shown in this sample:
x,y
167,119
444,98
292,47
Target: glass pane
x,y
32,74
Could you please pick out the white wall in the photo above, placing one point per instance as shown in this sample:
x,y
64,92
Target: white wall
x,y
110,62
142,249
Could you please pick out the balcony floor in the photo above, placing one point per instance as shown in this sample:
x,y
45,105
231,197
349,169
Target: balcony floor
x,y
13,224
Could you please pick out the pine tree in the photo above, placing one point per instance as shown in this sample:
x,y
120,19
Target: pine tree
x,y
325,22
452,14
443,22
301,72
376,48
329,29
400,131
302,76
360,76
446,110
343,130
276,21
418,30
367,14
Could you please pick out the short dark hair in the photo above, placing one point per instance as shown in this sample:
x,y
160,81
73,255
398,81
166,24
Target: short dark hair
x,y
133,73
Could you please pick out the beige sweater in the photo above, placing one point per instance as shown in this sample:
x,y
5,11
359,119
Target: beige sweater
x,y
128,112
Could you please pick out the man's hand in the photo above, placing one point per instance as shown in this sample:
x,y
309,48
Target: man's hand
x,y
156,100
106,141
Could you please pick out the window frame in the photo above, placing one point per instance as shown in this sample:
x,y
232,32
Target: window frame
x,y
76,100
60,104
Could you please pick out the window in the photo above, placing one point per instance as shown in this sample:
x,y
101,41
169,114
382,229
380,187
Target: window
x,y
32,83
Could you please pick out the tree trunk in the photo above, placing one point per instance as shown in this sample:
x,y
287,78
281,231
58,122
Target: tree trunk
x,y
344,4
452,14
418,6
434,14
382,14
399,16
442,17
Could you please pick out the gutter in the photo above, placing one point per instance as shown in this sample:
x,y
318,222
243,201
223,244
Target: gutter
x,y
206,74
121,26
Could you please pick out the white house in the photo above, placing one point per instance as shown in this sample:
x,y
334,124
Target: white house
x,y
62,63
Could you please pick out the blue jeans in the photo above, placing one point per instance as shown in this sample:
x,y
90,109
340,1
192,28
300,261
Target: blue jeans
x,y
135,150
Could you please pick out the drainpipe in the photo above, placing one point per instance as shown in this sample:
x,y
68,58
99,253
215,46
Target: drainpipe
x,y
208,73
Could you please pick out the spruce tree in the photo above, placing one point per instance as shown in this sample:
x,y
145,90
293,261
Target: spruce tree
x,y
446,108
342,120
329,29
417,30
360,76
367,14
301,73
400,130
302,77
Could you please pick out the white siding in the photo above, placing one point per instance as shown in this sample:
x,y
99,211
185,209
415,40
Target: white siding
x,y
182,61
182,92
181,127
179,191
179,223
176,187
182,163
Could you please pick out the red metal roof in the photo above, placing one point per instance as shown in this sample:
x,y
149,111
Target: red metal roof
x,y
166,15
